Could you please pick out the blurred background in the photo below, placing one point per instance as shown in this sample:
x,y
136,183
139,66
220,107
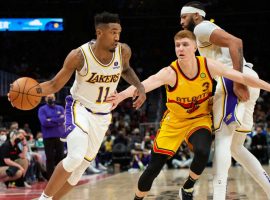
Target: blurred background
x,y
148,28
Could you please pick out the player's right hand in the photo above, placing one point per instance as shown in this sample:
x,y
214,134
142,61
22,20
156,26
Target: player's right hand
x,y
241,91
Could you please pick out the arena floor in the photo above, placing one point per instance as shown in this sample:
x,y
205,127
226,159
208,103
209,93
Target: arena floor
x,y
122,186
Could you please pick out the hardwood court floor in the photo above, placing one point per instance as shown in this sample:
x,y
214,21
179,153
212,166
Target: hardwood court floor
x,y
122,186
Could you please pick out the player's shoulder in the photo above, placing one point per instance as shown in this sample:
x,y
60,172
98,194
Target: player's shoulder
x,y
169,69
76,56
125,49
205,25
173,64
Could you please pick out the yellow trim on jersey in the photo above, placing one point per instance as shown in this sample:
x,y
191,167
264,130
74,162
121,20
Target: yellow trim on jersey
x,y
74,116
88,158
206,46
97,61
111,120
238,121
243,131
223,109
88,67
120,56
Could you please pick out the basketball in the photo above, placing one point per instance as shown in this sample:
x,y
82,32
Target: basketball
x,y
24,93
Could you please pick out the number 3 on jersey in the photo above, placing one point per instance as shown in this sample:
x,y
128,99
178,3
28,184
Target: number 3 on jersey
x,y
99,99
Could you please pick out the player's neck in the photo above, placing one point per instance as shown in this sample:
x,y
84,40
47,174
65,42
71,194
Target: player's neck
x,y
102,54
189,67
198,22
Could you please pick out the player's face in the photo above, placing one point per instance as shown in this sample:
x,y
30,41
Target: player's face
x,y
111,35
187,22
184,48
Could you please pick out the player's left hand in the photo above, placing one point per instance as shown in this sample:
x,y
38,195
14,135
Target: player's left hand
x,y
139,97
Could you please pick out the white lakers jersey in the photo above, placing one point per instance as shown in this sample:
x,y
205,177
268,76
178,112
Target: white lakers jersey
x,y
203,32
95,81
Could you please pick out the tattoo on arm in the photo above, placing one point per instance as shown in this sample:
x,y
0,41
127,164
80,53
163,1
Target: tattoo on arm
x,y
128,73
240,53
80,58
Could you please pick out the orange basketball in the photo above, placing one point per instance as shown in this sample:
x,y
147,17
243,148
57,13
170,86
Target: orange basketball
x,y
24,93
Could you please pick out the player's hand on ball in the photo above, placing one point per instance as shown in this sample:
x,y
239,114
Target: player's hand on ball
x,y
24,93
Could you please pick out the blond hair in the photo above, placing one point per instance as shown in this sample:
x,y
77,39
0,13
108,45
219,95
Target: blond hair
x,y
185,34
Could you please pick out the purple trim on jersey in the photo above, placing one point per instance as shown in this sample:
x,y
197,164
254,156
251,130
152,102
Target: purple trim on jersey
x,y
97,113
231,102
69,125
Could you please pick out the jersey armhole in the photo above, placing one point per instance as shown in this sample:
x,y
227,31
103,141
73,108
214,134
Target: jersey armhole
x,y
172,88
120,56
207,70
85,69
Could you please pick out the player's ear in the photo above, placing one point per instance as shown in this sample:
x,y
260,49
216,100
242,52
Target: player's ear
x,y
195,46
98,32
196,16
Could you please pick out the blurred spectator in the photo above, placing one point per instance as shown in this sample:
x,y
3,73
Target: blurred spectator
x,y
51,117
141,153
27,128
121,138
3,135
36,170
13,159
107,155
135,137
259,146
39,141
14,126
183,157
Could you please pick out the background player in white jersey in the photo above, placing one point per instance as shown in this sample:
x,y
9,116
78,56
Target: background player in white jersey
x,y
234,119
98,67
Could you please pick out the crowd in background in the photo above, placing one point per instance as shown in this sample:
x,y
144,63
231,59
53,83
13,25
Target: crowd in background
x,y
127,146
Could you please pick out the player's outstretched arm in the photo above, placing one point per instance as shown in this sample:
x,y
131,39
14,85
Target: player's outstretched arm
x,y
218,69
73,61
165,76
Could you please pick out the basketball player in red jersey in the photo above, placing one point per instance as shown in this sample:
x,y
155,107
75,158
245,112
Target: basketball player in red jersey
x,y
189,87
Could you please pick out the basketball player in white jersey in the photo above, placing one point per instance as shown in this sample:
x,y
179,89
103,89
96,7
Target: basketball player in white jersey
x,y
234,119
98,67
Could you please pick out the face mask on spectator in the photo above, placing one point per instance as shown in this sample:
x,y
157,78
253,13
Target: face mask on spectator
x,y
50,101
3,138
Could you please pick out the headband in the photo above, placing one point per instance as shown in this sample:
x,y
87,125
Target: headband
x,y
189,9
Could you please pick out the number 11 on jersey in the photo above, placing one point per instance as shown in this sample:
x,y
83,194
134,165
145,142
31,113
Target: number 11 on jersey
x,y
99,99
